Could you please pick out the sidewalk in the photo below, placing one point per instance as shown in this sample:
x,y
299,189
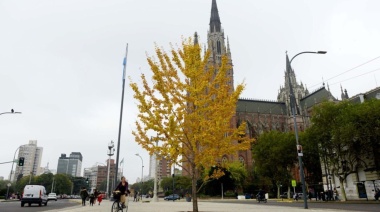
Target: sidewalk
x,y
181,206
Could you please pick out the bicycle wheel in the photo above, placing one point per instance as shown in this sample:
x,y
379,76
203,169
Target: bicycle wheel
x,y
115,207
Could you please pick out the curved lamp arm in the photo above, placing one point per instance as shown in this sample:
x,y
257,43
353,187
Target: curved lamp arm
x,y
307,52
12,112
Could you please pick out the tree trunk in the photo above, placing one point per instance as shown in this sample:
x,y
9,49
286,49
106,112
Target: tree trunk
x,y
289,192
278,191
342,190
194,188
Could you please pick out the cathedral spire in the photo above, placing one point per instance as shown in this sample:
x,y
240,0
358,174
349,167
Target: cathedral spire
x,y
215,24
228,45
195,38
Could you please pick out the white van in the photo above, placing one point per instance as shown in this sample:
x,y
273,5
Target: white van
x,y
34,194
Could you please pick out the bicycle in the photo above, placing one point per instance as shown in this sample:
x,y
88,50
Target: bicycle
x,y
117,205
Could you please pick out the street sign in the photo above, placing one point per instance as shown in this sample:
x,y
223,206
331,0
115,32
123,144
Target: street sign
x,y
294,183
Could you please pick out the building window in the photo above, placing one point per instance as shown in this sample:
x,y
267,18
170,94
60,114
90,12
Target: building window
x,y
241,160
224,159
218,47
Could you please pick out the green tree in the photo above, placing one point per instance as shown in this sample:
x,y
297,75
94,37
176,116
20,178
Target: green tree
x,y
62,184
348,137
4,187
311,158
45,180
275,154
181,183
238,173
78,183
232,180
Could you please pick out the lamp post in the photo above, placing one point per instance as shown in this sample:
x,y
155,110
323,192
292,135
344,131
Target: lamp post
x,y
10,176
293,108
142,173
110,153
173,179
155,199
12,112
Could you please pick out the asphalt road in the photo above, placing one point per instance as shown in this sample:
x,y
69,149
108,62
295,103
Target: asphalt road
x,y
346,206
15,206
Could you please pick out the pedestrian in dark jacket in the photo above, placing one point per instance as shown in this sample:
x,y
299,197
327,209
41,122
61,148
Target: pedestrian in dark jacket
x,y
92,199
83,195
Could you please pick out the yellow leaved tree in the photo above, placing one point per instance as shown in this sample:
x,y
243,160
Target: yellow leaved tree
x,y
189,108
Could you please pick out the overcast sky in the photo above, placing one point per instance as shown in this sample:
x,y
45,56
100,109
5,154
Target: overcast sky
x,y
61,62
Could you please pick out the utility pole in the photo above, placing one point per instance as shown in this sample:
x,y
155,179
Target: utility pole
x,y
110,153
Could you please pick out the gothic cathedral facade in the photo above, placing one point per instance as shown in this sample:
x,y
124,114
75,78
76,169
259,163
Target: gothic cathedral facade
x,y
261,115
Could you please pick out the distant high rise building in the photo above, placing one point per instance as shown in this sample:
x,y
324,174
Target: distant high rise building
x,y
163,167
92,174
32,160
152,166
70,165
103,172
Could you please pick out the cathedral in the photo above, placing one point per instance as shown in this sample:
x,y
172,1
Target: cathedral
x,y
265,115
262,115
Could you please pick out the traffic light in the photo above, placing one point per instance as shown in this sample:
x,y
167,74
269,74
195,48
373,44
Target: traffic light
x,y
87,181
21,161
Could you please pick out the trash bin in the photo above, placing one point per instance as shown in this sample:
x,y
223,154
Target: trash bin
x,y
188,199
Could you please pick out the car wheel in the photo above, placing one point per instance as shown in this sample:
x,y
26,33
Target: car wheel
x,y
39,204
22,204
29,204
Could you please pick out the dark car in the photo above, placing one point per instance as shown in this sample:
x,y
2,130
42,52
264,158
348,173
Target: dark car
x,y
171,197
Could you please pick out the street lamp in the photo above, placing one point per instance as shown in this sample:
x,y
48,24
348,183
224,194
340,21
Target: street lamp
x,y
10,176
142,173
173,180
110,153
12,112
293,107
155,199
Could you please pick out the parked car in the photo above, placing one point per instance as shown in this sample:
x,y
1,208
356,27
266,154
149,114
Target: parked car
x,y
171,197
52,196
285,195
34,194
300,196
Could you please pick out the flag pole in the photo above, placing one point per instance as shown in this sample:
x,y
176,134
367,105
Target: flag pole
x,y
121,117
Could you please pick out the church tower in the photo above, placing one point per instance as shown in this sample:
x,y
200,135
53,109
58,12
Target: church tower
x,y
299,91
216,42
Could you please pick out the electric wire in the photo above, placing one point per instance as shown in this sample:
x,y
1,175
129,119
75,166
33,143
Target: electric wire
x,y
347,71
378,69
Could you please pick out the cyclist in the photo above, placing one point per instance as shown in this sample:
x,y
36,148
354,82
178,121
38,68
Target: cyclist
x,y
123,189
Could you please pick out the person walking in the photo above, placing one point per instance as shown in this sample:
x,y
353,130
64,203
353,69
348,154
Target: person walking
x,y
135,196
92,199
83,195
96,193
100,198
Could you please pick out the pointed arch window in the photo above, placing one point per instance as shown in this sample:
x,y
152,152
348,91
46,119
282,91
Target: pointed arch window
x,y
224,159
218,47
241,160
